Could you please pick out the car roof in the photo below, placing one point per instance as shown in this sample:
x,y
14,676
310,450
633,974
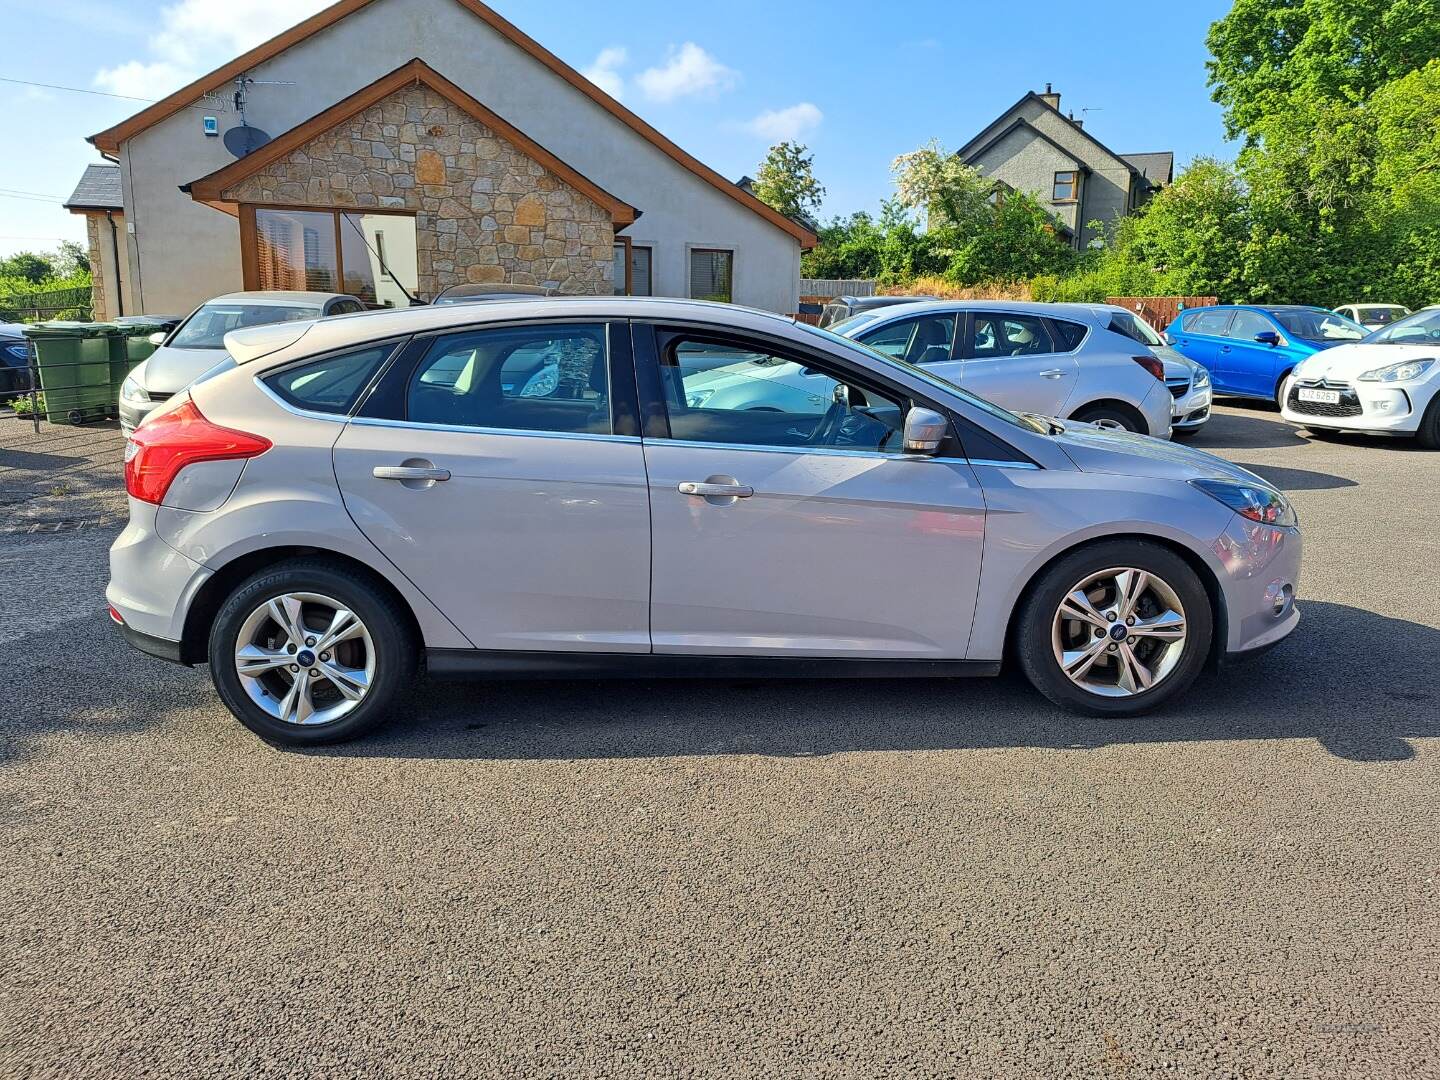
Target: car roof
x,y
359,327
1022,307
282,297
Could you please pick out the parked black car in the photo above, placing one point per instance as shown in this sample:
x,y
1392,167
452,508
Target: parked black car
x,y
843,307
14,361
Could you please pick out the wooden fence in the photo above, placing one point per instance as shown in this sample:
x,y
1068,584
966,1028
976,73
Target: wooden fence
x,y
1160,311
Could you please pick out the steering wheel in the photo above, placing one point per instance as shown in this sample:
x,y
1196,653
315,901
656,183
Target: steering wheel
x,y
829,426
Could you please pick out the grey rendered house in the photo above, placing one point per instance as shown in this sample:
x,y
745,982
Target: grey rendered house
x,y
1032,146
396,147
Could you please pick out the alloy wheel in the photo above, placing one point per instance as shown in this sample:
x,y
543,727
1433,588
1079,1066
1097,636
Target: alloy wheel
x,y
304,658
1119,632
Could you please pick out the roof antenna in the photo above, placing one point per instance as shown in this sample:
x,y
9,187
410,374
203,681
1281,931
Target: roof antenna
x,y
245,139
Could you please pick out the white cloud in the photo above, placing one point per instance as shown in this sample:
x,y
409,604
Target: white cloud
x,y
777,125
605,71
136,78
687,70
194,36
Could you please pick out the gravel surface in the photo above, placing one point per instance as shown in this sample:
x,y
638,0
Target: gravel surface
x,y
769,879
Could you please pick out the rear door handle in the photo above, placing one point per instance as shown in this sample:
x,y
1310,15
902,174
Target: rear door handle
x,y
410,472
1053,373
735,491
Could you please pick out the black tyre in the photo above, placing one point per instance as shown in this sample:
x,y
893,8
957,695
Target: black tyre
x,y
1117,628
1280,390
309,652
1428,434
1112,415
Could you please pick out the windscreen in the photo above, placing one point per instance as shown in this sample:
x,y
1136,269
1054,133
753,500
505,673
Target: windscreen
x,y
206,329
1320,326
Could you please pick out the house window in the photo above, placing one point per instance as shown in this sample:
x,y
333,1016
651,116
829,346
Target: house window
x,y
711,274
370,256
1064,190
639,270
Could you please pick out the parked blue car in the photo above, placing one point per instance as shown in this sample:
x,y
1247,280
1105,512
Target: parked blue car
x,y
1249,350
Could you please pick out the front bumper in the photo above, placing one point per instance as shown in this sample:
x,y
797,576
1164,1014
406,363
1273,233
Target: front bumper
x,y
1260,581
1383,408
1193,410
133,412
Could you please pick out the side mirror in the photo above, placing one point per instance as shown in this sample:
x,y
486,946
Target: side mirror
x,y
158,338
1268,337
924,431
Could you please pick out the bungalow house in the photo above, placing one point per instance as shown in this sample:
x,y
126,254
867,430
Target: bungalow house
x,y
1032,146
391,148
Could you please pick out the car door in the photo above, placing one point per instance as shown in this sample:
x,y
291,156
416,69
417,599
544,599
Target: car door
x,y
803,530
1201,333
1010,359
500,469
1248,366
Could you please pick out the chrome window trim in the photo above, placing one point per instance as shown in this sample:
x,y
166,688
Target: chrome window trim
x,y
418,425
1026,465
829,451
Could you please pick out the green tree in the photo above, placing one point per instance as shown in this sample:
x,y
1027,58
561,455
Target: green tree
x,y
27,266
786,180
937,183
1266,54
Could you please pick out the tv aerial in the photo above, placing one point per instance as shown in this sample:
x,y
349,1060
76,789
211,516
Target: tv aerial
x,y
245,138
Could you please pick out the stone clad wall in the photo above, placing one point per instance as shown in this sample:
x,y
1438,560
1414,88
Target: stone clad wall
x,y
485,212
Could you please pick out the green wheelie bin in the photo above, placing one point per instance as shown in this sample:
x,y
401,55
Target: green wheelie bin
x,y
130,346
74,363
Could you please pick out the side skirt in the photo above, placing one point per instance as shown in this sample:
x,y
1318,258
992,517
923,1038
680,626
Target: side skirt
x,y
506,664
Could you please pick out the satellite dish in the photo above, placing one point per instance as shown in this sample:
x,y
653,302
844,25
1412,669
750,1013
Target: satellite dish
x,y
244,139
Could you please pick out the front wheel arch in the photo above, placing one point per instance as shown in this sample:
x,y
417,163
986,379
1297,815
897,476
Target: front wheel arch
x,y
1202,570
195,639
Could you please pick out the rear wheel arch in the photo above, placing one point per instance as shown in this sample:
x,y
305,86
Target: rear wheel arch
x,y
1113,405
1202,570
194,641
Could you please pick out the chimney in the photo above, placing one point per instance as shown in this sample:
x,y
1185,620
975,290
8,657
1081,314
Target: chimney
x,y
1077,123
1050,97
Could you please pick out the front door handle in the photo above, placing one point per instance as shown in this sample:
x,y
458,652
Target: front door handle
x,y
1224,348
410,472
733,491
1053,373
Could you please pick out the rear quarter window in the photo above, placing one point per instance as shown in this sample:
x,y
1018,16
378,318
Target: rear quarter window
x,y
332,384
1068,335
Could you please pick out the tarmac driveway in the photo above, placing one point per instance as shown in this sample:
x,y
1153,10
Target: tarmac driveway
x,y
917,879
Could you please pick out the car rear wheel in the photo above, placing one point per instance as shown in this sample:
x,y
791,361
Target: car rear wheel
x,y
1115,629
1114,416
309,652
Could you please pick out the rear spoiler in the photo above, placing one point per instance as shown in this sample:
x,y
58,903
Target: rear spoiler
x,y
253,342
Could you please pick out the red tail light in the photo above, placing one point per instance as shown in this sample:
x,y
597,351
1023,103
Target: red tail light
x,y
158,450
1153,364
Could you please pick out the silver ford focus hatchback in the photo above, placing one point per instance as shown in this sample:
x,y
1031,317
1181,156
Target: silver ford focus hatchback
x,y
546,488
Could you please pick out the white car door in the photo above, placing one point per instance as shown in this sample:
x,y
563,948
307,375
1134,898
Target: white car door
x,y
1010,359
802,530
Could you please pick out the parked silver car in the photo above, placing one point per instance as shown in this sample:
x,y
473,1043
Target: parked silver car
x,y
1059,360
347,502
197,344
1187,381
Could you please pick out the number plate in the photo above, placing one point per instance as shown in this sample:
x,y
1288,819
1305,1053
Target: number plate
x,y
1321,397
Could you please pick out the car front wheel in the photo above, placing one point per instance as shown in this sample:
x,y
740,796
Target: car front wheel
x,y
1112,416
1115,629
309,652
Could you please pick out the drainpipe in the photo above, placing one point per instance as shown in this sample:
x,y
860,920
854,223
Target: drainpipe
x,y
115,261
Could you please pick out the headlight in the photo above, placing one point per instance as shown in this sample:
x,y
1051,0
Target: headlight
x,y
1401,372
543,383
133,392
1202,378
1254,501
697,399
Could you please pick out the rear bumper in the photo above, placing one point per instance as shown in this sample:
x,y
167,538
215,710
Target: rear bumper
x,y
151,584
160,648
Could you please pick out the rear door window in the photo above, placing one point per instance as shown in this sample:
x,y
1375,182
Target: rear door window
x,y
997,334
546,377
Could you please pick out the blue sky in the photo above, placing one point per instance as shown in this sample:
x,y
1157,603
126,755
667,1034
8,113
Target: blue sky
x,y
858,83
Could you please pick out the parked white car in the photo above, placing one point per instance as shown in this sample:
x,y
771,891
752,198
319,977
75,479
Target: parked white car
x,y
1373,316
1388,384
198,343
1085,362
